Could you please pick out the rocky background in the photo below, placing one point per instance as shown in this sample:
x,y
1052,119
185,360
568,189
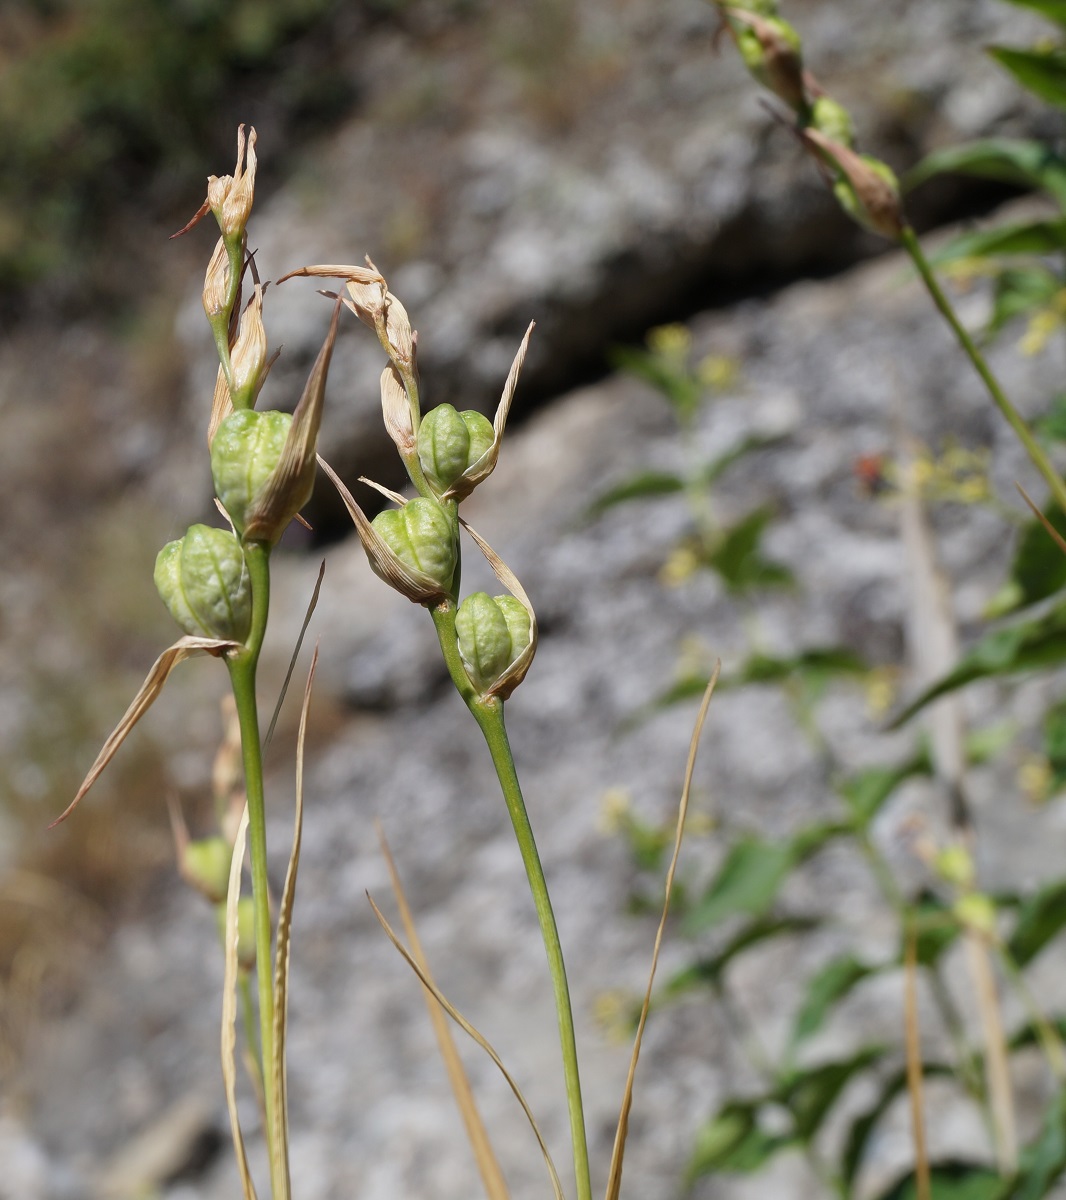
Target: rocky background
x,y
599,169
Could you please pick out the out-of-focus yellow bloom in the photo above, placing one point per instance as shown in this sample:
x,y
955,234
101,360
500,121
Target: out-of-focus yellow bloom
x,y
881,686
616,810
671,341
1034,778
614,1013
718,371
682,564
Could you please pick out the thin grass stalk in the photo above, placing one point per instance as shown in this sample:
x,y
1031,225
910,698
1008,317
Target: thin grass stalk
x,y
243,667
915,1089
1033,448
488,1164
997,1064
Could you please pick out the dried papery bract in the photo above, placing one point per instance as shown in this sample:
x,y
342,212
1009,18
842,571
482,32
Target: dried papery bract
x,y
866,188
772,52
184,648
290,486
248,354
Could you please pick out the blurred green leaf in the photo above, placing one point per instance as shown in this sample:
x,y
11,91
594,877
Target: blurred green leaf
x,y
1007,160
747,882
672,380
936,929
865,792
864,1124
952,1181
1024,646
732,1141
1042,71
641,486
1041,918
1039,566
1053,423
1025,237
753,872
816,663
1021,290
824,990
707,971
737,558
1054,10
712,471
1043,1161
1055,743
810,1094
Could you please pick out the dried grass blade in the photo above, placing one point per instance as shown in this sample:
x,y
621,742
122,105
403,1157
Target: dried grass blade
x,y
614,1179
279,1083
1056,536
471,1032
229,1008
311,606
912,1034
184,648
484,1155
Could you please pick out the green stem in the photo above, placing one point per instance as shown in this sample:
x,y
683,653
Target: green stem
x,y
488,712
999,397
242,668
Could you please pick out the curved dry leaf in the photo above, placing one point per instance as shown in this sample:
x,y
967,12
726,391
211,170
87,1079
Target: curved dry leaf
x,y
486,464
471,1032
229,1007
614,1179
279,1083
516,672
396,410
477,1134
295,474
182,649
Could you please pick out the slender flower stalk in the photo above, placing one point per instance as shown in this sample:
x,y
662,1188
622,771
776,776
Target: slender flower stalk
x,y
243,665
1016,421
488,712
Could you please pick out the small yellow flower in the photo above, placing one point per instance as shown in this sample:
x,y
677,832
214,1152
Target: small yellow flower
x,y
682,564
718,372
671,341
616,809
1034,778
1042,324
882,686
613,1012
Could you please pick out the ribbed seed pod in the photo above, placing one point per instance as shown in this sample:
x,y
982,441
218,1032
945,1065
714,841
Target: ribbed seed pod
x,y
244,454
450,443
493,632
203,581
420,535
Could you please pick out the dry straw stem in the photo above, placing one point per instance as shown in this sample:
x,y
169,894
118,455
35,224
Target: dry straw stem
x,y
487,1163
229,1008
312,604
614,1179
283,948
912,1038
182,649
471,1032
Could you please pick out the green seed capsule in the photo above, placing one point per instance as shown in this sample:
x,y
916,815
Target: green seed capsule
x,y
421,537
205,865
833,119
203,581
246,450
450,442
493,632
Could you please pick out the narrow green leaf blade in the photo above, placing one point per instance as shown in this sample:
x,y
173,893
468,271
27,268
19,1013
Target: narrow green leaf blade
x,y
810,1094
747,883
1024,646
1007,160
1041,918
952,1181
707,971
867,791
1024,237
1043,72
732,1141
1054,10
641,486
825,989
